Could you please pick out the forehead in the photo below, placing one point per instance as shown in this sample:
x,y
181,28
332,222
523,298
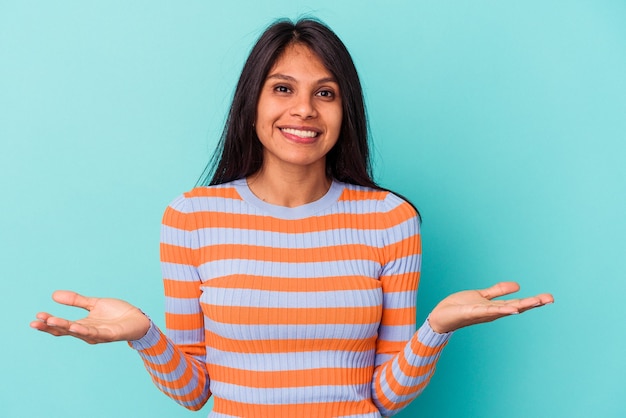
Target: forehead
x,y
299,59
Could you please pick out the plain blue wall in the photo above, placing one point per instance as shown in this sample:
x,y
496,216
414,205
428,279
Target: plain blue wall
x,y
503,121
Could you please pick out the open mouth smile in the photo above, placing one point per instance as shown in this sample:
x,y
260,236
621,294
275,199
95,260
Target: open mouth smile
x,y
300,132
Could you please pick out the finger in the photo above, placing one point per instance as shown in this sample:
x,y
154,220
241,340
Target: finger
x,y
60,323
546,298
43,316
44,327
539,300
499,289
67,297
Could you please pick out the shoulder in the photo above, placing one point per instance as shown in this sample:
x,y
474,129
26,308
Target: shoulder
x,y
382,201
205,197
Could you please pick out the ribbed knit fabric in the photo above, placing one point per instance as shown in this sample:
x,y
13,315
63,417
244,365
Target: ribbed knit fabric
x,y
291,312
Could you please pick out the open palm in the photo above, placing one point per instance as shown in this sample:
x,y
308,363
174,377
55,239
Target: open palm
x,y
471,307
108,319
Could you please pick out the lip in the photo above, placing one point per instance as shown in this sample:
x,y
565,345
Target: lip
x,y
298,139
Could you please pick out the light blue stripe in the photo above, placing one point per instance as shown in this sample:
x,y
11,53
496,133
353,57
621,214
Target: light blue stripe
x,y
396,300
304,360
291,332
239,236
397,333
314,270
409,264
186,337
180,272
217,204
179,237
290,395
182,306
416,360
221,204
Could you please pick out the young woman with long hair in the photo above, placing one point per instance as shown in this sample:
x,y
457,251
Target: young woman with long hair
x,y
290,276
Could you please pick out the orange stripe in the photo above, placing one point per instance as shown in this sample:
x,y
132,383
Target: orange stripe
x,y
400,316
414,371
225,192
400,214
334,283
351,194
423,350
287,346
167,368
184,322
207,219
389,347
240,409
400,282
176,254
170,253
242,315
409,245
181,289
291,378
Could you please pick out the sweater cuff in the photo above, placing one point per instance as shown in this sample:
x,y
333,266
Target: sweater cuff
x,y
430,338
152,338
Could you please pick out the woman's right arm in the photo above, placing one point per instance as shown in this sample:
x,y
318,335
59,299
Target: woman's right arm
x,y
178,374
176,363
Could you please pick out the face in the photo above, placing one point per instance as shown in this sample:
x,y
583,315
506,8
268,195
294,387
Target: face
x,y
299,111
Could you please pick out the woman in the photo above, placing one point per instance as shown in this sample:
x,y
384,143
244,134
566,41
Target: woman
x,y
291,280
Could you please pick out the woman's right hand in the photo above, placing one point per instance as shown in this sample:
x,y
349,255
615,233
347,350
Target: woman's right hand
x,y
108,319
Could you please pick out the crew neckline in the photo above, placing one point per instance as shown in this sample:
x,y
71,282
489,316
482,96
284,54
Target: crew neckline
x,y
284,212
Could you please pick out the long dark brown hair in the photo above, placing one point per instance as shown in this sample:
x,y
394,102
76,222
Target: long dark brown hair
x,y
240,154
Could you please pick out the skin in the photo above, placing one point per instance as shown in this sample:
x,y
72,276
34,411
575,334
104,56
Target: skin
x,y
299,95
298,121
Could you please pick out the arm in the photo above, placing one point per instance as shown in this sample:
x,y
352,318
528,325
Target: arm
x,y
404,369
177,364
405,359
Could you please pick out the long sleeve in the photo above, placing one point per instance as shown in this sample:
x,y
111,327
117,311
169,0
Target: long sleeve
x,y
176,363
405,359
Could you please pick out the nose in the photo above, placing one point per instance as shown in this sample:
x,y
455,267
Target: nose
x,y
303,107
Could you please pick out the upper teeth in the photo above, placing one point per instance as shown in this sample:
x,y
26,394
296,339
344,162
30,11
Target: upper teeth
x,y
301,134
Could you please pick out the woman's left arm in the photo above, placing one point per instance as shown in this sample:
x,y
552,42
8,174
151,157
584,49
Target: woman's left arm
x,y
404,368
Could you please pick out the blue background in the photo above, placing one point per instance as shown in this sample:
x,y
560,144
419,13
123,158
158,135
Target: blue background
x,y
504,122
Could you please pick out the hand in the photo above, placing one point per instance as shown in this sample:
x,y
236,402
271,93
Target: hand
x,y
477,306
108,320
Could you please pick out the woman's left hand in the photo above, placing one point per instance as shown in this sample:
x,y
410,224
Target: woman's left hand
x,y
477,306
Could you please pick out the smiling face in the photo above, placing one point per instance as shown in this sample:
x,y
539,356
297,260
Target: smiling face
x,y
299,112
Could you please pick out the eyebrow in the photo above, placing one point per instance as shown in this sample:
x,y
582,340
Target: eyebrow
x,y
290,78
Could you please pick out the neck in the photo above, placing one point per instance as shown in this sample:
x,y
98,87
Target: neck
x,y
289,188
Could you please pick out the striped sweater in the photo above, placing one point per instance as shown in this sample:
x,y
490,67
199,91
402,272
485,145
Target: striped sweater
x,y
291,312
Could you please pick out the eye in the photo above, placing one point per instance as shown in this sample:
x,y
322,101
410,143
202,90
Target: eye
x,y
327,94
281,89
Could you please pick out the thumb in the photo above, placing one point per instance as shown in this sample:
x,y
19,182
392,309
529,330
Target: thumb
x,y
70,298
500,289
